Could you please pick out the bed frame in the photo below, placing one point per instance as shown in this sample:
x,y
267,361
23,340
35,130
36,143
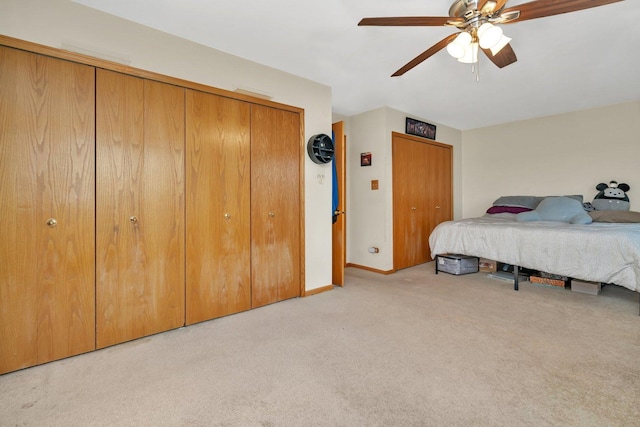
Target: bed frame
x,y
599,252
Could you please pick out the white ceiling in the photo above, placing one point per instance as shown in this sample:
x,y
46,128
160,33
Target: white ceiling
x,y
565,63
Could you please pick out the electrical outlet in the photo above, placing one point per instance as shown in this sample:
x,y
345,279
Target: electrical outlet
x,y
374,184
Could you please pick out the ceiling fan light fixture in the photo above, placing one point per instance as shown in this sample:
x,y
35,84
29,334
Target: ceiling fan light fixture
x,y
480,20
504,40
489,35
460,45
455,50
470,54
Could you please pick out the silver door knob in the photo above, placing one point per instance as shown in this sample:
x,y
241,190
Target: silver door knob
x,y
51,222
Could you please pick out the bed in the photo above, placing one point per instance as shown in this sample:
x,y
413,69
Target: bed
x,y
607,252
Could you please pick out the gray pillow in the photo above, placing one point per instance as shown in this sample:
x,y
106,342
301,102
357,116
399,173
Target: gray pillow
x,y
530,202
564,209
578,197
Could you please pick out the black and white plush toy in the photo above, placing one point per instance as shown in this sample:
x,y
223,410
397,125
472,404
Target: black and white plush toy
x,y
611,197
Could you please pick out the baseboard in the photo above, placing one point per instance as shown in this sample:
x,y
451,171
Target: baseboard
x,y
375,270
318,290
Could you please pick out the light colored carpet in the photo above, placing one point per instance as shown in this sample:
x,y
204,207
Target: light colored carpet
x,y
412,348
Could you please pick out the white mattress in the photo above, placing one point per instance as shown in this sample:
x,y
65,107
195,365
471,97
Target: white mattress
x,y
599,252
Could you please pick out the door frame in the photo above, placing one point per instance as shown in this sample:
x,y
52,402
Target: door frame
x,y
339,228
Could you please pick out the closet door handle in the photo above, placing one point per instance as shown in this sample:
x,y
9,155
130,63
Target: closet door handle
x,y
413,208
272,214
133,220
437,207
51,222
227,216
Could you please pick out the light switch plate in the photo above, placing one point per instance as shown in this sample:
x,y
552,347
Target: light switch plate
x,y
374,184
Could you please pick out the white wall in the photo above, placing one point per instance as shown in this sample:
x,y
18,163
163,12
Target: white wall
x,y
59,23
563,154
370,212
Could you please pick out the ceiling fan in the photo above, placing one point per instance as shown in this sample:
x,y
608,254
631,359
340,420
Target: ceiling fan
x,y
478,22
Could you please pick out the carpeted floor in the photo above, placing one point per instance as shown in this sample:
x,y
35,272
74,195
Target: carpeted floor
x,y
410,348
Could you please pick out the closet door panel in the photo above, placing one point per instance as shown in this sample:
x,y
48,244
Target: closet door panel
x,y
440,204
275,205
163,196
47,209
218,206
140,207
410,241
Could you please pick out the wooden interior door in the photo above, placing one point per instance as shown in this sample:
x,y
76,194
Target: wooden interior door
x,y
410,244
140,207
339,228
218,206
275,205
47,168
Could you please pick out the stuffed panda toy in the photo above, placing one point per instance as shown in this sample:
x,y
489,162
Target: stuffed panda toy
x,y
611,197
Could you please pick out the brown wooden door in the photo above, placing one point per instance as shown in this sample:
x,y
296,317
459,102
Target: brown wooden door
x,y
218,206
140,207
47,168
440,204
410,190
339,229
275,205
422,196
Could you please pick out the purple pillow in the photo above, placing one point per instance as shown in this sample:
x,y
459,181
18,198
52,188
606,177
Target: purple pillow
x,y
507,209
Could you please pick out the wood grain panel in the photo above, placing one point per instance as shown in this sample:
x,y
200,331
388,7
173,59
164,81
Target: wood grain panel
x,y
218,206
440,178
422,178
47,171
409,202
140,207
275,205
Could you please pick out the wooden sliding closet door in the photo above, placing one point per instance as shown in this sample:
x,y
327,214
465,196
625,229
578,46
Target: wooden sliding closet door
x,y
218,206
140,207
275,205
46,209
440,182
410,241
422,196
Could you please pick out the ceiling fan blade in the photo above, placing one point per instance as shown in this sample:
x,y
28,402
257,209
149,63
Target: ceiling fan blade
x,y
410,21
505,57
425,55
542,8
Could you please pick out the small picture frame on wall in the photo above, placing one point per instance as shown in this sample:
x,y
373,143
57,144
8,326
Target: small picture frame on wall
x,y
365,159
419,128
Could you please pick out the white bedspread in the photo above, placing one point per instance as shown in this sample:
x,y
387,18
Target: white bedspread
x,y
599,252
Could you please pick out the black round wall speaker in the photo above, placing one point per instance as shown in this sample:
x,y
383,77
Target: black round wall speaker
x,y
320,148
